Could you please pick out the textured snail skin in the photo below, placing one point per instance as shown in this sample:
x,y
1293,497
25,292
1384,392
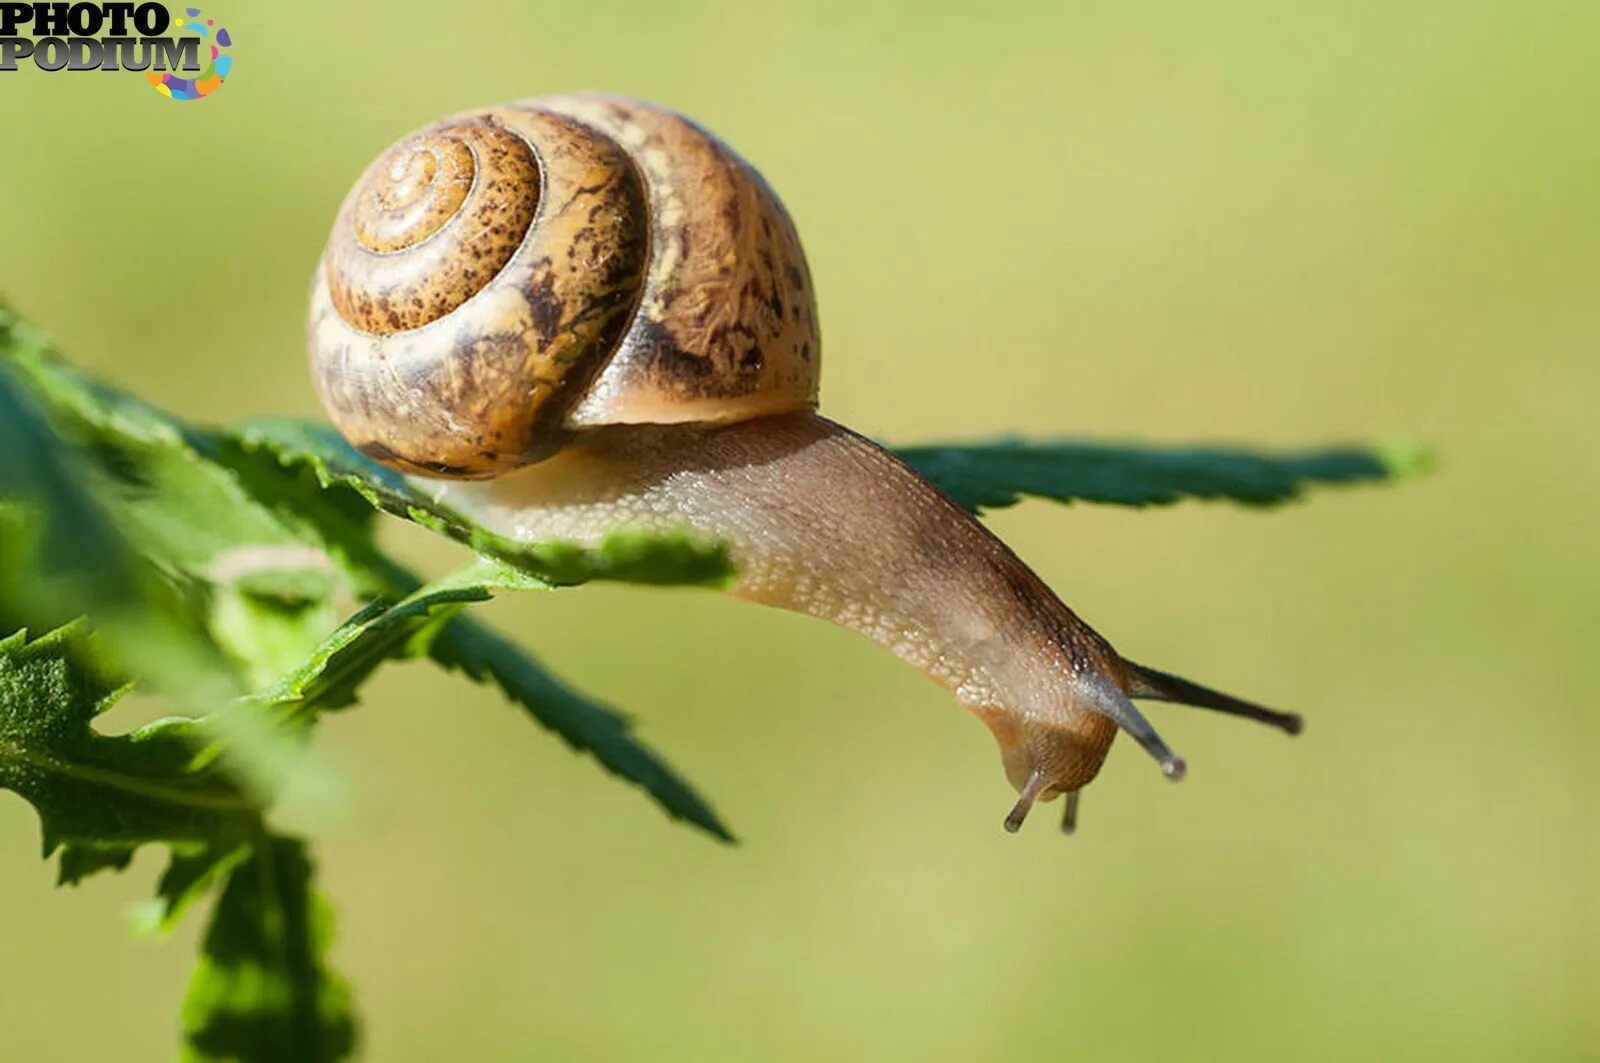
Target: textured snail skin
x,y
583,313
825,522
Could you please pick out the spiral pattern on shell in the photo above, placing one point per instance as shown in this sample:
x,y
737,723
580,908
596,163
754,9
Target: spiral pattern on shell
x,y
511,275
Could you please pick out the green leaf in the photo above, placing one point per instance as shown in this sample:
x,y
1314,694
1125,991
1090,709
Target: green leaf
x,y
584,724
190,875
260,586
425,621
78,862
331,676
247,593
62,553
74,535
102,795
263,992
990,475
308,468
293,469
630,557
342,521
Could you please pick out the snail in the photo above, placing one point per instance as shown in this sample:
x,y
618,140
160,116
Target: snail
x,y
580,313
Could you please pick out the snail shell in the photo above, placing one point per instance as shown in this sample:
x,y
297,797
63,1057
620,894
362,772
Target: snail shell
x,y
507,276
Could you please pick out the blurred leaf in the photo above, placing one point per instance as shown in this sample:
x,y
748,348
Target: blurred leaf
x,y
102,795
261,587
263,992
629,557
78,862
246,594
336,517
190,875
991,475
61,552
74,529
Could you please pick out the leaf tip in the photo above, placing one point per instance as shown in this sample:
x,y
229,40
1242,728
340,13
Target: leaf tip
x,y
1404,458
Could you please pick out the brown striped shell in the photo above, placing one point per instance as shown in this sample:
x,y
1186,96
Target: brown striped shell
x,y
509,276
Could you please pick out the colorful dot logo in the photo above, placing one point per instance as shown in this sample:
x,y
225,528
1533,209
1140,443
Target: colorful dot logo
x,y
216,72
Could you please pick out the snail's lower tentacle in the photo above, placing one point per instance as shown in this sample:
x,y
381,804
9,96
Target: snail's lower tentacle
x,y
1069,814
823,521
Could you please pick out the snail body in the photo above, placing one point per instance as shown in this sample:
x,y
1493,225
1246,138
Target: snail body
x,y
581,313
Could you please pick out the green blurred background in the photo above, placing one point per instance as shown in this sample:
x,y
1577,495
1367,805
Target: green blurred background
x,y
1229,221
